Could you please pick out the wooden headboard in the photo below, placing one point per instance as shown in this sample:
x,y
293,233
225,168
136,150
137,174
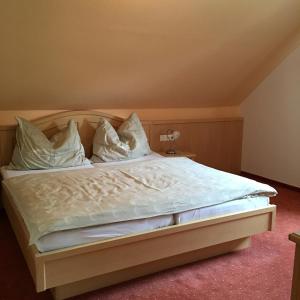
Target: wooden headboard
x,y
87,122
216,142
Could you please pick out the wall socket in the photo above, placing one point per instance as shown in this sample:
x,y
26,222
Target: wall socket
x,y
169,137
163,138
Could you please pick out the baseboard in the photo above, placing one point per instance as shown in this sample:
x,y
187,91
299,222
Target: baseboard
x,y
269,181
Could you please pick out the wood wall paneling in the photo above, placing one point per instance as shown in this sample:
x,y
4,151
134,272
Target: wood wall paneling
x,y
7,142
216,142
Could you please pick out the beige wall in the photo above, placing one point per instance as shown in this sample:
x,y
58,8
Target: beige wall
x,y
271,145
132,54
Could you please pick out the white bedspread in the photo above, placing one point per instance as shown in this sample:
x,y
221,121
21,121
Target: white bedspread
x,y
71,199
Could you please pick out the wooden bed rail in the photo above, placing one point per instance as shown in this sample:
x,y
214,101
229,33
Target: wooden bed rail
x,y
78,269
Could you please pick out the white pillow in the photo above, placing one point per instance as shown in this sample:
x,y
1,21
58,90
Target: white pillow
x,y
34,150
130,141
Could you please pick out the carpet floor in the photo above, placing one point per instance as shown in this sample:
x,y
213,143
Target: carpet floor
x,y
263,271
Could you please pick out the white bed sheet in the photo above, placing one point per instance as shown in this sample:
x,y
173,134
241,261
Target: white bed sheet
x,y
7,173
229,207
151,156
79,236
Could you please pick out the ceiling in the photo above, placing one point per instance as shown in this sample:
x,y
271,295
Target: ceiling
x,y
136,53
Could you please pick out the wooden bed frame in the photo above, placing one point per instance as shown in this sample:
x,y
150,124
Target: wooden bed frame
x,y
75,270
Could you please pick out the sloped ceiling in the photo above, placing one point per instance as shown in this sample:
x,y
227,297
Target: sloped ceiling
x,y
135,53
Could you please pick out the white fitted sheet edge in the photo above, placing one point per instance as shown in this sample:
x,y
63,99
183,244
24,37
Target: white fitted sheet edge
x,y
79,236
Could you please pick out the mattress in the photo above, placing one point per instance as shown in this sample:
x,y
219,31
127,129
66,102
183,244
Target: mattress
x,y
229,207
78,236
73,237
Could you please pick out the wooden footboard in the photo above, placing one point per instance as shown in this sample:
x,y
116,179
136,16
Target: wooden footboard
x,y
79,269
91,284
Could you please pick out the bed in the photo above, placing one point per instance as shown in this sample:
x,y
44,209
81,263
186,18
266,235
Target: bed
x,y
165,242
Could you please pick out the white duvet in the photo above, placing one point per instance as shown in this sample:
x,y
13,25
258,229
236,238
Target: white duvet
x,y
71,199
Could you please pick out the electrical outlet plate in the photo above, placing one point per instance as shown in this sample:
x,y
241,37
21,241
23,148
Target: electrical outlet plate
x,y
163,138
169,137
